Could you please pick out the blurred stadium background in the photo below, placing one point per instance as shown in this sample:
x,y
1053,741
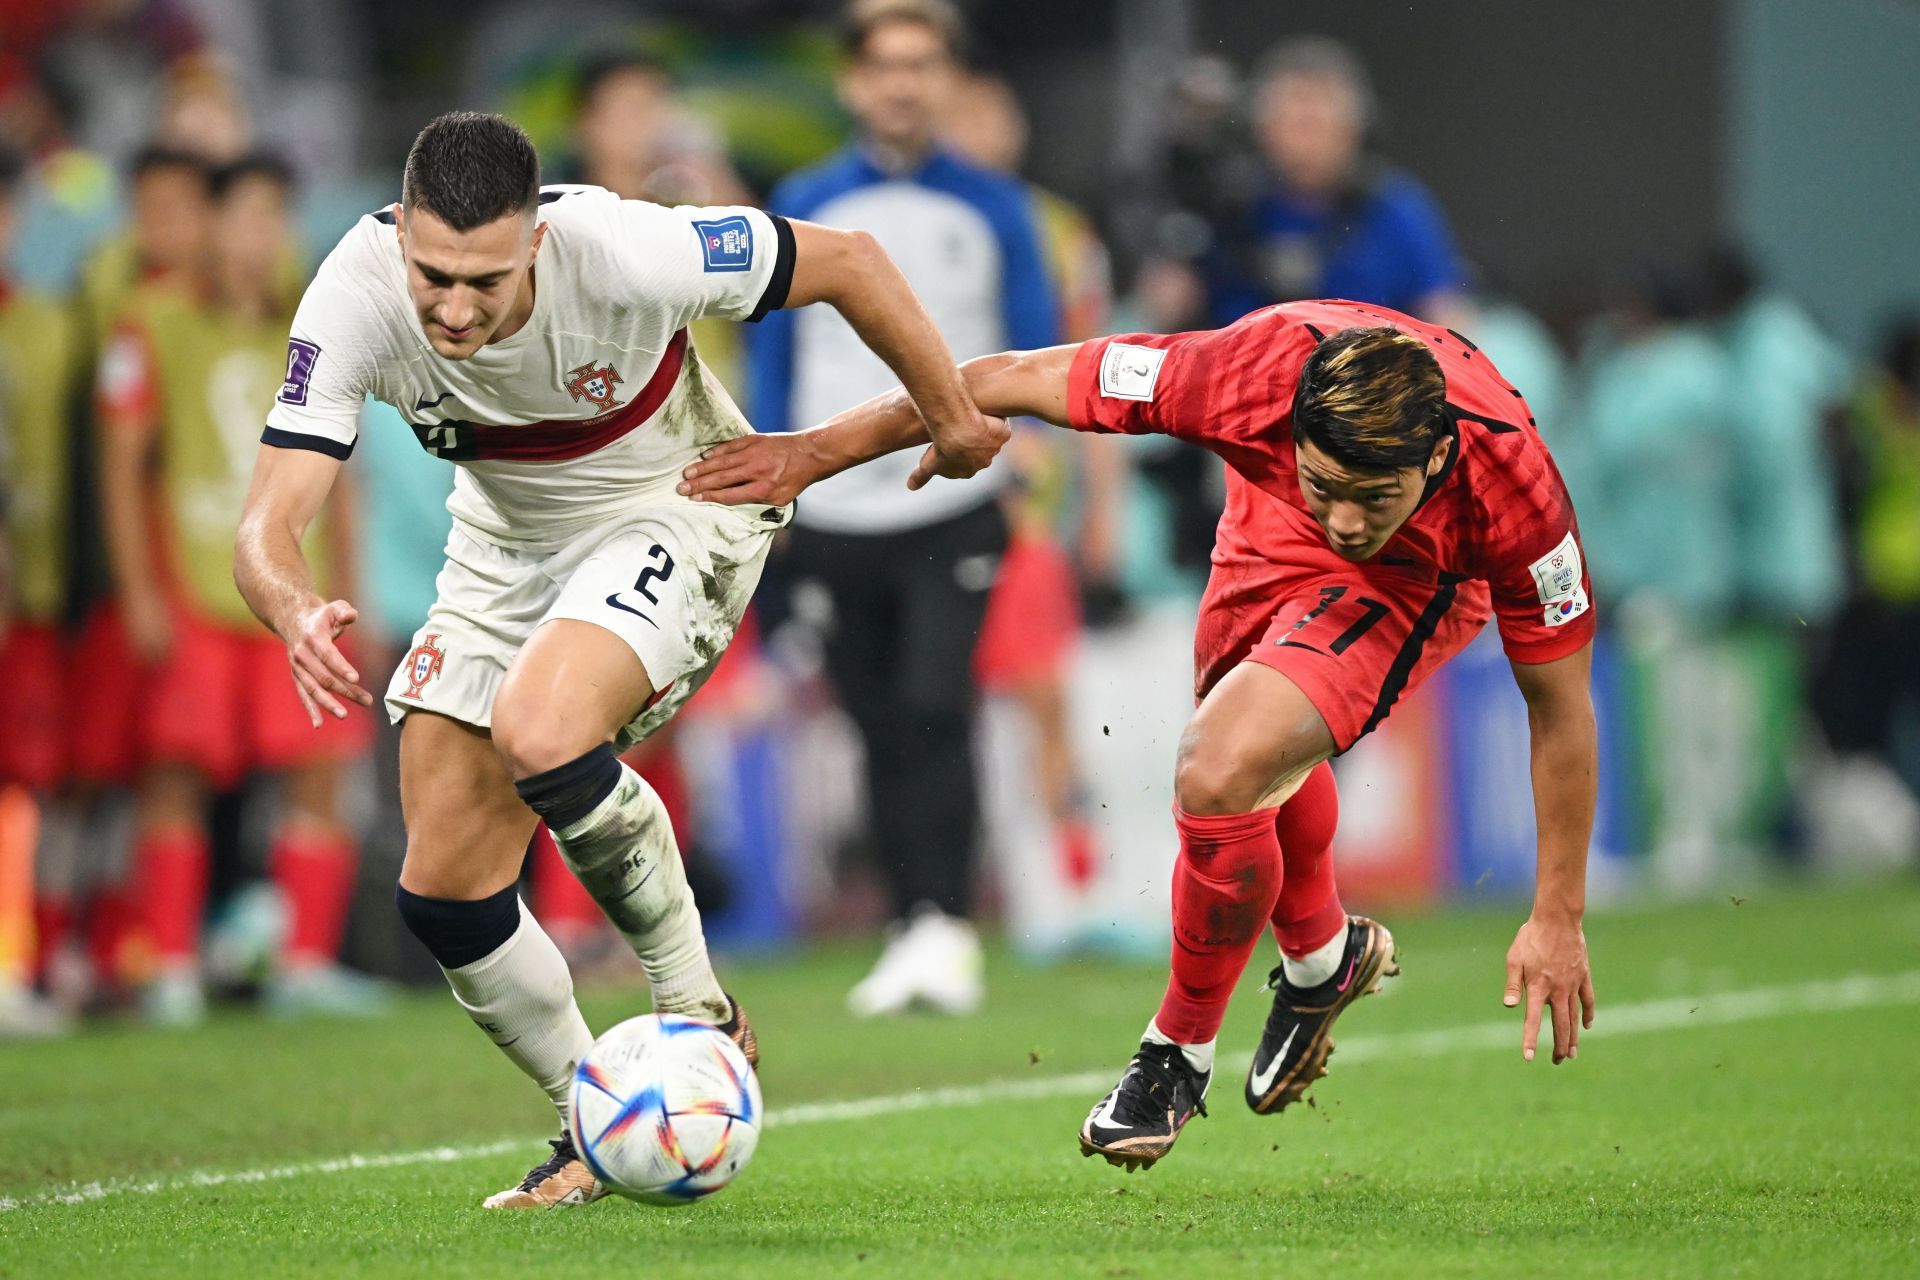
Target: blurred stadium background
x,y
1684,231
1705,296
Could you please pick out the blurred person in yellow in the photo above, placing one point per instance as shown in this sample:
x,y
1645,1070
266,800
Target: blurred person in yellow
x,y
1034,611
179,394
36,390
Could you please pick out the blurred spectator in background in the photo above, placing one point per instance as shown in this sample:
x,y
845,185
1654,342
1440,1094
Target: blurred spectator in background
x,y
1029,638
180,390
1869,693
37,353
1786,378
898,581
634,137
202,111
1663,459
1327,219
163,246
68,198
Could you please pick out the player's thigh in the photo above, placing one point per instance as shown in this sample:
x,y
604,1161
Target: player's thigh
x,y
467,830
640,623
570,689
1253,739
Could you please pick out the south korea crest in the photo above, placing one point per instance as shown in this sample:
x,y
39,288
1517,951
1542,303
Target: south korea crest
x,y
596,384
423,664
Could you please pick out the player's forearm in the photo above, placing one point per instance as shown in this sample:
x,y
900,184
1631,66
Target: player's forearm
x,y
272,572
1566,769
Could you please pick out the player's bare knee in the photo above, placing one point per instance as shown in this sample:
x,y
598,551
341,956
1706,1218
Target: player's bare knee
x,y
535,743
1209,781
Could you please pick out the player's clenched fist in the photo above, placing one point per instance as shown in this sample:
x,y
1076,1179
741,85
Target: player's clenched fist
x,y
321,672
961,450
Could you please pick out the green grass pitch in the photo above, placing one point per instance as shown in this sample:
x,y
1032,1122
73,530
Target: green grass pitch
x,y
1730,1114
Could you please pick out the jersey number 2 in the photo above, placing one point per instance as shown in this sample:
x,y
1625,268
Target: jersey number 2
x,y
660,570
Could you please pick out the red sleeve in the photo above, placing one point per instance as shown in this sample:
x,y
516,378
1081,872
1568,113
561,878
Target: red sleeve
x,y
1217,387
1542,589
125,392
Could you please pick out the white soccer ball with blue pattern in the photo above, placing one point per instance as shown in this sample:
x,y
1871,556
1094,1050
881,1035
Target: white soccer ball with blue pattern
x,y
665,1109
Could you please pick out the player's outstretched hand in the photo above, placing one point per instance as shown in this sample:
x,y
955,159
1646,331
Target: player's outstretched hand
x,y
962,451
1548,964
770,469
321,672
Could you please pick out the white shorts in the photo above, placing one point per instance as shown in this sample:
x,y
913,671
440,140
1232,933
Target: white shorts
x,y
672,580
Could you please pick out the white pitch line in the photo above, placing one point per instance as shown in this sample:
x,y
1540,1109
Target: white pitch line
x,y
1751,1005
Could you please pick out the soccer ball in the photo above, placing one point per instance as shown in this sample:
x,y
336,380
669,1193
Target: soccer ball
x,y
665,1109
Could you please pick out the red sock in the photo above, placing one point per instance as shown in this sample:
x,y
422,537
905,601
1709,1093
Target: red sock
x,y
112,931
170,890
314,869
52,918
1224,885
560,901
1308,912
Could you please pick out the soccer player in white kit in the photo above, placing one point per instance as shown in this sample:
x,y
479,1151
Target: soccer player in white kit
x,y
537,339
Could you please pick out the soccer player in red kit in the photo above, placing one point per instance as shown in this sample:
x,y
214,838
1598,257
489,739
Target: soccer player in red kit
x,y
1387,494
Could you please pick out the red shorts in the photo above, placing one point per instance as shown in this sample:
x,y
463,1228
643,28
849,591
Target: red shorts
x,y
1354,640
68,703
1033,616
224,702
33,706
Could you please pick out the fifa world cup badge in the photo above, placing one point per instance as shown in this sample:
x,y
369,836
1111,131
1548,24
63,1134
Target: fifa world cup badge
x,y
589,383
423,664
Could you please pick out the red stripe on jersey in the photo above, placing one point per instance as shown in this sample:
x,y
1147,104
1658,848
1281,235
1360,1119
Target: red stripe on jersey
x,y
560,441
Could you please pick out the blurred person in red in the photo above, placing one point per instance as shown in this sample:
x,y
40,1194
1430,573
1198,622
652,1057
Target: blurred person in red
x,y
37,353
1387,494
1033,618
181,387
64,681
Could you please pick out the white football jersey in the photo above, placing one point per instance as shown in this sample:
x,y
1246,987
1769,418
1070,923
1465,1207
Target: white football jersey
x,y
591,408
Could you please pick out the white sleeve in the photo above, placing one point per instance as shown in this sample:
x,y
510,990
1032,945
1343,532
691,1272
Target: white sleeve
x,y
731,261
318,406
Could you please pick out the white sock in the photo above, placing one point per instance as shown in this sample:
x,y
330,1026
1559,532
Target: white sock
x,y
1198,1056
521,995
1315,967
625,854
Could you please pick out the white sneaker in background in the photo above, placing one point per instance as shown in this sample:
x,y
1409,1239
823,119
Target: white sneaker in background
x,y
889,986
949,967
174,998
25,1016
933,960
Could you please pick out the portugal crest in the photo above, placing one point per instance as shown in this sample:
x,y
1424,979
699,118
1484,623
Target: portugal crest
x,y
589,383
423,664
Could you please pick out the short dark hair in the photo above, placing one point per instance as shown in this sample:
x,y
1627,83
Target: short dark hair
x,y
1371,399
155,158
864,17
469,168
256,164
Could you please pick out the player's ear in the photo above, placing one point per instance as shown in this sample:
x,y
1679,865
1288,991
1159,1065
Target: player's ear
x,y
1437,460
539,234
400,223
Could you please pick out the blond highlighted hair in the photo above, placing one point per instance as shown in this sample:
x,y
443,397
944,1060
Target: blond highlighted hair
x,y
1371,399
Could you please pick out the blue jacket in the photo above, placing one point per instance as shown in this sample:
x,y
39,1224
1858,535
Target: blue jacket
x,y
968,241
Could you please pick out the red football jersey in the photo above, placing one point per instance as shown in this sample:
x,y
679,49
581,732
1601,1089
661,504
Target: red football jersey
x,y
1499,513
